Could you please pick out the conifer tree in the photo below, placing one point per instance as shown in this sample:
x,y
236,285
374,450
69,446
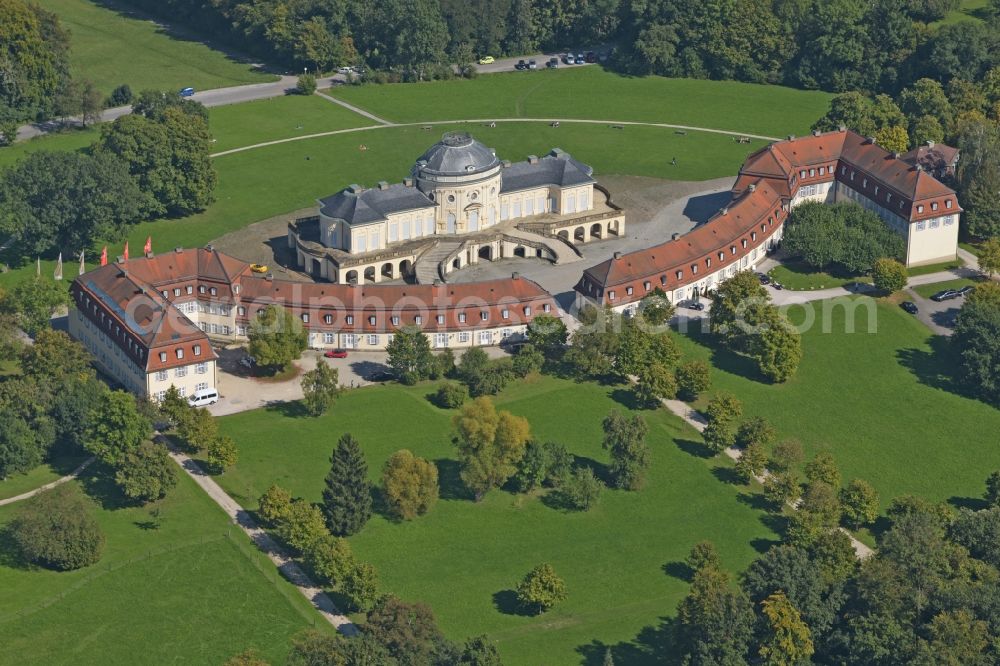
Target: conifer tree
x,y
347,500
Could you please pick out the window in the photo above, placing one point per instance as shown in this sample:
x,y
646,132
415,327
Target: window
x,y
305,318
236,288
177,291
349,319
663,279
189,289
372,340
505,333
628,291
371,320
864,183
328,338
802,174
201,386
647,286
505,313
812,172
694,268
418,320
181,371
947,203
463,337
822,170
395,321
732,250
182,391
743,243
180,353
546,308
934,206
920,208
611,295
440,319
527,310
440,339
921,226
949,220
161,376
213,291
680,275
328,319
241,311
201,368
160,396
935,223
484,315
350,340
241,330
485,337
197,350
888,197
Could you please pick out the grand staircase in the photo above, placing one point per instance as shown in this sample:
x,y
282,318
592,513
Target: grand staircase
x,y
427,264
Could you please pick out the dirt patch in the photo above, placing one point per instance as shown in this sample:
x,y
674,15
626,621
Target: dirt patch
x,y
266,242
645,199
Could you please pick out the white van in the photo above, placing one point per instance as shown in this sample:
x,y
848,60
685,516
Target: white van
x,y
203,397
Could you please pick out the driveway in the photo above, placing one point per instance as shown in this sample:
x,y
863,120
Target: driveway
x,y
939,317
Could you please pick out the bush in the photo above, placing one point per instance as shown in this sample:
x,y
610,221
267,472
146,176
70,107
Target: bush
x,y
693,379
528,360
581,490
889,275
306,85
541,589
120,96
56,530
274,505
451,396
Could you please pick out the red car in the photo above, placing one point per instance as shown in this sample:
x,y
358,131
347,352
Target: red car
x,y
336,353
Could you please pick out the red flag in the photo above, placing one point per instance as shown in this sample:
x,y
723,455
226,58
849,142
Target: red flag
x,y
148,247
104,256
126,250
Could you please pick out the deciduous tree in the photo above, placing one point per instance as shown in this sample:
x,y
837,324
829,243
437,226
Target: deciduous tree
x,y
276,337
860,503
409,355
693,379
320,388
541,589
625,438
889,275
117,428
410,484
788,641
146,473
490,445
274,505
221,453
56,530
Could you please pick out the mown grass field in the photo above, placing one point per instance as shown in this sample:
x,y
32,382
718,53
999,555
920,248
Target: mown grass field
x,y
879,402
264,182
111,46
928,290
798,276
171,587
592,92
619,560
57,466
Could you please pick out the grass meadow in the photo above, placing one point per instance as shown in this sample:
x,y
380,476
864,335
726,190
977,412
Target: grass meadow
x,y
621,560
111,45
176,580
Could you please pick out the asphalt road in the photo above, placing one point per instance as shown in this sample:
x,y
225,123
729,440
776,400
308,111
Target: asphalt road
x,y
507,64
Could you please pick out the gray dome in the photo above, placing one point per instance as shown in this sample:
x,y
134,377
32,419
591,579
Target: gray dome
x,y
457,154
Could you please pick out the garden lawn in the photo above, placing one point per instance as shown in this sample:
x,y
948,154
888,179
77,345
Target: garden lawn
x,y
68,140
619,560
114,46
55,468
879,402
264,182
275,118
928,290
173,585
592,92
968,10
935,268
798,276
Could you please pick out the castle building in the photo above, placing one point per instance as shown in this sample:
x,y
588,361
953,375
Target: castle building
x,y
150,322
462,195
824,167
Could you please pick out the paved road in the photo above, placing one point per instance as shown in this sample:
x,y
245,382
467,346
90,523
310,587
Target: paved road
x,y
286,565
58,482
507,64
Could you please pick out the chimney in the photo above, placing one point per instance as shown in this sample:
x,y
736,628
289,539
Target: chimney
x,y
383,185
816,132
618,255
149,255
871,140
506,163
930,143
532,159
895,154
752,187
791,137
209,247
354,188
408,182
515,276
841,127
675,236
178,250
269,277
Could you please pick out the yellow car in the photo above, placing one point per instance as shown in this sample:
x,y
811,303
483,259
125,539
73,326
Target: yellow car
x,y
486,60
258,268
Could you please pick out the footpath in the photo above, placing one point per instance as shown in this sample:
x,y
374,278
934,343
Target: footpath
x,y
41,489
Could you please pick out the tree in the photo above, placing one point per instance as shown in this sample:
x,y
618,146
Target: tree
x,y
894,139
361,586
347,498
860,503
20,449
221,453
757,431
693,379
703,555
409,355
56,530
116,429
474,362
120,96
625,438
751,462
541,589
33,301
480,651
408,630
548,334
146,473
527,360
305,85
451,395
736,309
780,488
410,484
303,526
926,97
91,103
320,388
714,622
656,308
957,638
889,275
924,129
786,455
989,257
197,428
721,412
777,348
977,341
274,505
823,468
788,641
37,60
331,558
581,490
55,357
656,382
490,445
276,337
992,495
815,233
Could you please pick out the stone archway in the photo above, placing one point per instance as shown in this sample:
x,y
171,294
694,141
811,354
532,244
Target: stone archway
x,y
519,251
388,271
351,277
579,235
486,252
370,274
596,231
405,268
614,228
457,263
563,235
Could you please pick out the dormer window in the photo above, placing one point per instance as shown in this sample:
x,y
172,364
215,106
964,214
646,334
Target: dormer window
x,y
680,275
165,294
371,320
694,268
197,350
732,250
812,172
484,315
201,289
440,319
305,318
349,319
505,313
647,286
236,288
864,183
753,236
663,279
920,208
177,291
934,206
708,264
461,318
546,307
327,319
163,357
628,291
822,170
418,320
213,291
189,289
744,242
947,203
395,321
611,295
802,174
180,353
527,310
888,197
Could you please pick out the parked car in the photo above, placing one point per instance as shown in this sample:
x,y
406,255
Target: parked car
x,y
764,278
580,58
187,92
335,353
248,361
486,60
693,305
967,289
945,295
202,397
777,285
591,56
909,306
552,63
258,268
345,70
532,64
521,65
380,376
569,59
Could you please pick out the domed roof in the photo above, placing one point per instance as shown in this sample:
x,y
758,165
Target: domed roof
x,y
457,154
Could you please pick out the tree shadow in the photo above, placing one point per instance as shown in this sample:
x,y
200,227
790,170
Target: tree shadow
x,y
147,525
450,483
881,525
933,368
755,501
652,646
506,602
762,545
972,503
10,554
98,482
292,409
626,398
679,570
696,449
727,475
776,522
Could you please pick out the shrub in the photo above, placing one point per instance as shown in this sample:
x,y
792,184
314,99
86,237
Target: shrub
x,y
581,490
529,359
541,589
451,396
889,275
274,505
56,530
693,379
306,85
120,96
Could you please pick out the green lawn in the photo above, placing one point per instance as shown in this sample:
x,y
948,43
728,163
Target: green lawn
x,y
183,591
935,268
115,46
276,118
68,140
798,276
878,401
968,10
464,558
928,290
261,183
592,92
55,468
